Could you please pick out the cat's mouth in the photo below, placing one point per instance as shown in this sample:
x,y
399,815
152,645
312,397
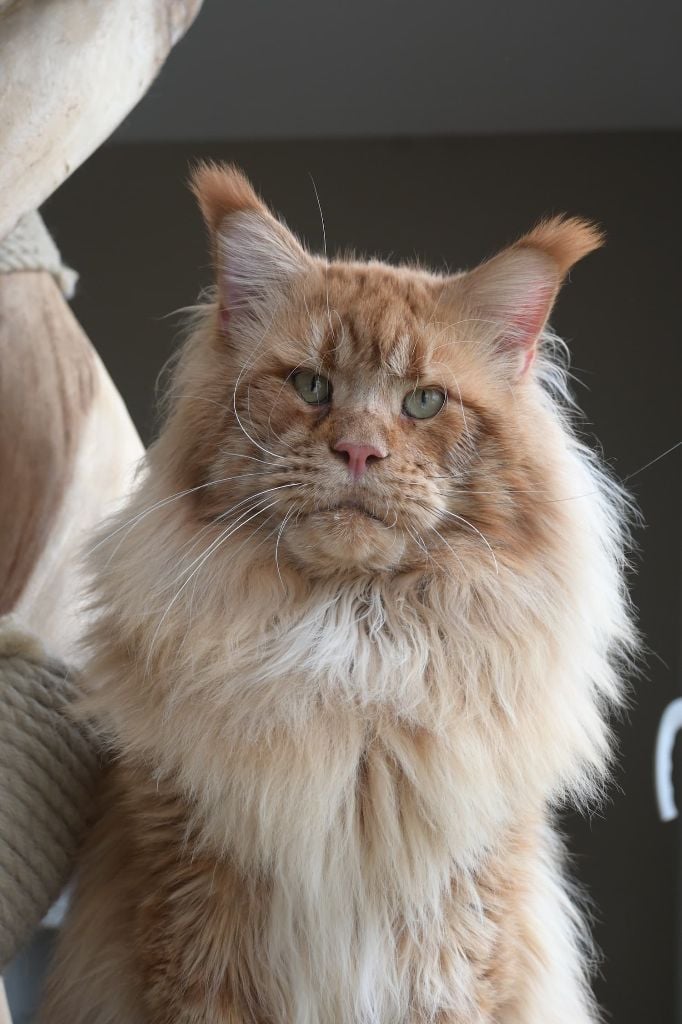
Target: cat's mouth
x,y
348,535
345,509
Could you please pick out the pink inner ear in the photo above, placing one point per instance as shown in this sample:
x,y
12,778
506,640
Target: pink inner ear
x,y
225,299
231,295
523,324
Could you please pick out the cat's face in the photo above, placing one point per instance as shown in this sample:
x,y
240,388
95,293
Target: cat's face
x,y
363,418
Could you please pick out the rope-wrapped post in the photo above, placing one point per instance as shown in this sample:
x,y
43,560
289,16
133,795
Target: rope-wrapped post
x,y
71,71
49,770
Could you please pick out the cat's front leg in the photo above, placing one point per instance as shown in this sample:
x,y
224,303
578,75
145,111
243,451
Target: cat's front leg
x,y
194,931
543,946
513,948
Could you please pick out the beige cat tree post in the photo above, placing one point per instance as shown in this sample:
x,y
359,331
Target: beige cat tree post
x,y
70,71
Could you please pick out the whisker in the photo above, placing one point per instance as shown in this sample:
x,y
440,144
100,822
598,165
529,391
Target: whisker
x,y
277,436
236,551
417,539
279,537
466,422
245,501
272,408
236,388
161,504
267,490
253,458
421,543
310,316
465,320
449,546
653,462
471,526
473,447
216,540
506,489
326,257
203,398
436,305
391,526
225,408
224,536
192,542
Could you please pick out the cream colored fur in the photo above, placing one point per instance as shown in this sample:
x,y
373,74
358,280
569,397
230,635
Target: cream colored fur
x,y
373,745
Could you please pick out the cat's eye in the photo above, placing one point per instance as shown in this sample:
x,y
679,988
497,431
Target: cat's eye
x,y
312,387
423,403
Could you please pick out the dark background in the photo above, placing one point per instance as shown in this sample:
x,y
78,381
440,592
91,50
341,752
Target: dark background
x,y
127,222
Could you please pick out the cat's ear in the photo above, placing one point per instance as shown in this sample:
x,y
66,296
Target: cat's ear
x,y
256,256
509,298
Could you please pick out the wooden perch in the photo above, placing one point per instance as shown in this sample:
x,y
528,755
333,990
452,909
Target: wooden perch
x,y
71,71
68,449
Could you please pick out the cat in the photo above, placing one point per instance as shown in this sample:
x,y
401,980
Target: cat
x,y
360,631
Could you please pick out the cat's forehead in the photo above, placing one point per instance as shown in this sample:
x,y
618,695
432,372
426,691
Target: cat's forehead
x,y
375,316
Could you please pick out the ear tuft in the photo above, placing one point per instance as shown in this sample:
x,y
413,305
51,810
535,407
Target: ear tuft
x,y
222,189
257,259
564,239
511,295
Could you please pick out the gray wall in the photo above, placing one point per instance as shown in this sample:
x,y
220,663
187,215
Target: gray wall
x,y
126,221
314,68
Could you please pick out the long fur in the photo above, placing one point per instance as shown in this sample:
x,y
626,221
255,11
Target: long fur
x,y
339,740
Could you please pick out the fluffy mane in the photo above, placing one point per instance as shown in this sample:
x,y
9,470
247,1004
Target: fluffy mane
x,y
371,719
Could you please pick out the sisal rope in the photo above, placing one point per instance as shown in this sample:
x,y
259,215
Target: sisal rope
x,y
29,246
48,772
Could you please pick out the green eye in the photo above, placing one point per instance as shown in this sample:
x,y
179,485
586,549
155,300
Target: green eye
x,y
312,387
423,403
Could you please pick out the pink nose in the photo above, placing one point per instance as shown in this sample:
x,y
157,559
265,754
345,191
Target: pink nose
x,y
358,456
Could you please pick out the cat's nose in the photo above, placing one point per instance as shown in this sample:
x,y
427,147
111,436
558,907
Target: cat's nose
x,y
358,456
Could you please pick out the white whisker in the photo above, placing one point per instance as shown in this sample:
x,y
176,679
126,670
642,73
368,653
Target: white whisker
x,y
326,257
224,536
653,462
253,458
161,504
285,382
279,537
192,542
249,362
236,551
449,546
471,526
245,501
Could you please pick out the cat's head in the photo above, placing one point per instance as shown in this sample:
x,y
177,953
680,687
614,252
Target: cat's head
x,y
361,418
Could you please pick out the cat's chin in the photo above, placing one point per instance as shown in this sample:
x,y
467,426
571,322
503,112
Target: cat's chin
x,y
326,542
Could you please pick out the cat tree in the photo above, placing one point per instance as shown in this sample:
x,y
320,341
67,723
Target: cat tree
x,y
71,70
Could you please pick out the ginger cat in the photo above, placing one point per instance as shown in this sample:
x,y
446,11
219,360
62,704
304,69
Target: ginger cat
x,y
360,628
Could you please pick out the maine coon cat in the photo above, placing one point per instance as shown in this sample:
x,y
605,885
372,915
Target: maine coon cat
x,y
359,631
